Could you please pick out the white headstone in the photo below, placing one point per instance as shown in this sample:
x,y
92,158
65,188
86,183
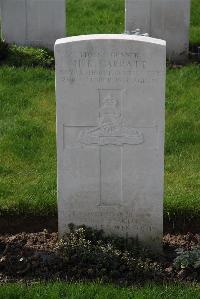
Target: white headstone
x,y
110,93
33,22
165,19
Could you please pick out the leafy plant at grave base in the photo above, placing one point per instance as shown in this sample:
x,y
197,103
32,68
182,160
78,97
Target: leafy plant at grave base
x,y
188,259
89,254
29,57
3,49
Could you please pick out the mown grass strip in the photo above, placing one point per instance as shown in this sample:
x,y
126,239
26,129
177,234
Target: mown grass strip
x,y
97,291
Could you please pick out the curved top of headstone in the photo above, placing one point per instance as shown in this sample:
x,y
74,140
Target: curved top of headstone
x,y
89,37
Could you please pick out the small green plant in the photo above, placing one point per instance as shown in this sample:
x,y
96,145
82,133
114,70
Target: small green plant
x,y
188,259
20,56
88,254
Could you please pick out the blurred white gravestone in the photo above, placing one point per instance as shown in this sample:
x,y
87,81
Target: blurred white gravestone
x,y
165,19
110,92
33,22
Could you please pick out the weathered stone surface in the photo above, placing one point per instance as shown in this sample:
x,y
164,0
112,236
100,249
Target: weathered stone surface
x,y
110,93
33,22
165,19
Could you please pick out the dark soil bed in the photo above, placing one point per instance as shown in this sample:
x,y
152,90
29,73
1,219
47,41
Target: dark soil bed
x,y
35,256
14,224
195,52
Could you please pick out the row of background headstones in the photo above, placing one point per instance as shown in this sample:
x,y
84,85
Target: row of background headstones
x,y
40,22
35,23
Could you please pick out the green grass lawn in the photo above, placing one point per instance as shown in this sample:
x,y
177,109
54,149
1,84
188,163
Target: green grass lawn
x,y
182,142
27,141
95,16
97,291
27,121
28,145
195,22
107,16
